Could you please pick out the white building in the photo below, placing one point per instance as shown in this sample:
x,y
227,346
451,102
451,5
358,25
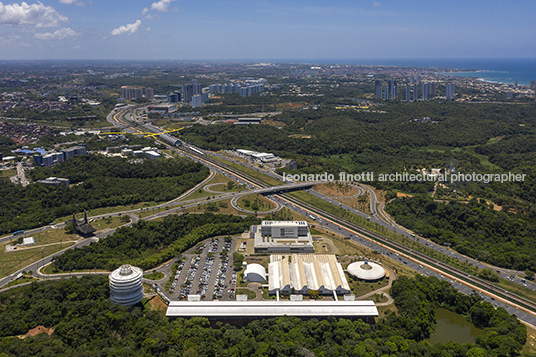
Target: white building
x,y
248,310
365,270
282,237
255,272
28,241
126,285
258,156
152,155
299,273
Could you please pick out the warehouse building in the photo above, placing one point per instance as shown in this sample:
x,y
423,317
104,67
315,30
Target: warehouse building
x,y
282,237
299,273
258,156
244,311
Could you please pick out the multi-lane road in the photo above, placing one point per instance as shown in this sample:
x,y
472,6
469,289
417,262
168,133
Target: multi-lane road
x,y
495,295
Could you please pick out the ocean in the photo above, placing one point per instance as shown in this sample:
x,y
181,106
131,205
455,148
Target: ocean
x,y
494,70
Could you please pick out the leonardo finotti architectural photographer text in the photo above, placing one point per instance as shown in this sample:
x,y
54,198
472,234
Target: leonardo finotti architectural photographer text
x,y
406,177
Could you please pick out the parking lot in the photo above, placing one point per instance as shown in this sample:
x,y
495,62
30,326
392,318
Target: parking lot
x,y
206,270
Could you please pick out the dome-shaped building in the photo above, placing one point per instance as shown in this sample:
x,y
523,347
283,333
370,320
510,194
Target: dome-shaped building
x,y
126,285
366,270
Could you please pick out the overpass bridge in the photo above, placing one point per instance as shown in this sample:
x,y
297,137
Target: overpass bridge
x,y
284,188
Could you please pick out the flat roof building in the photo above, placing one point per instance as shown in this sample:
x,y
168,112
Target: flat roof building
x,y
260,156
282,237
299,273
162,108
55,181
250,310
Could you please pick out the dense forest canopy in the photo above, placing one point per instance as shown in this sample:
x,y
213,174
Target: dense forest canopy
x,y
96,181
473,228
86,323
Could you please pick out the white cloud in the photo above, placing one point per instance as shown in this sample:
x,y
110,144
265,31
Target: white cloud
x,y
72,2
144,11
7,39
37,15
148,29
127,28
162,5
375,3
57,35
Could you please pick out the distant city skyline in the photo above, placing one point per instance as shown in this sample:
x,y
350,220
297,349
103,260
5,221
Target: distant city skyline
x,y
257,30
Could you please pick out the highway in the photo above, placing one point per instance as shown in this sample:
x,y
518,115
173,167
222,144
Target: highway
x,y
415,260
377,217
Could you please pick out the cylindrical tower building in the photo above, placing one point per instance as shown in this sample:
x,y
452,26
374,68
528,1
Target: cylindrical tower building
x,y
126,285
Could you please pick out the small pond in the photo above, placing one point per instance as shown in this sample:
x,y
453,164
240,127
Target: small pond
x,y
453,327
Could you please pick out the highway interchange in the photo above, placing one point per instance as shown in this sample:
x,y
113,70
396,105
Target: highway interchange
x,y
379,218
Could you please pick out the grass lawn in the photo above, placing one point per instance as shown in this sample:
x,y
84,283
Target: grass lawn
x,y
360,288
110,222
247,202
335,189
8,173
224,188
530,345
50,236
155,275
13,261
243,291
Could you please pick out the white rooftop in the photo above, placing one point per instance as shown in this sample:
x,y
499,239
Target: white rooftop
x,y
28,241
366,270
252,308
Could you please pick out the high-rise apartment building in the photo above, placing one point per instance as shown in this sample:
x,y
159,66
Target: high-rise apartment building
x,y
424,90
450,91
197,101
149,93
378,88
392,88
127,92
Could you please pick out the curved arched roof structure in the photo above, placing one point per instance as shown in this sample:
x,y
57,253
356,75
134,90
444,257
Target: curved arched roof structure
x,y
255,272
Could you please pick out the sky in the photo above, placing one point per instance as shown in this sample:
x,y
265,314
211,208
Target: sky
x,y
266,30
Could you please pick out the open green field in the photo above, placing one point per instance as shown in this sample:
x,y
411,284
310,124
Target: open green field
x,y
247,202
243,291
13,261
466,149
8,173
110,222
155,275
223,188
